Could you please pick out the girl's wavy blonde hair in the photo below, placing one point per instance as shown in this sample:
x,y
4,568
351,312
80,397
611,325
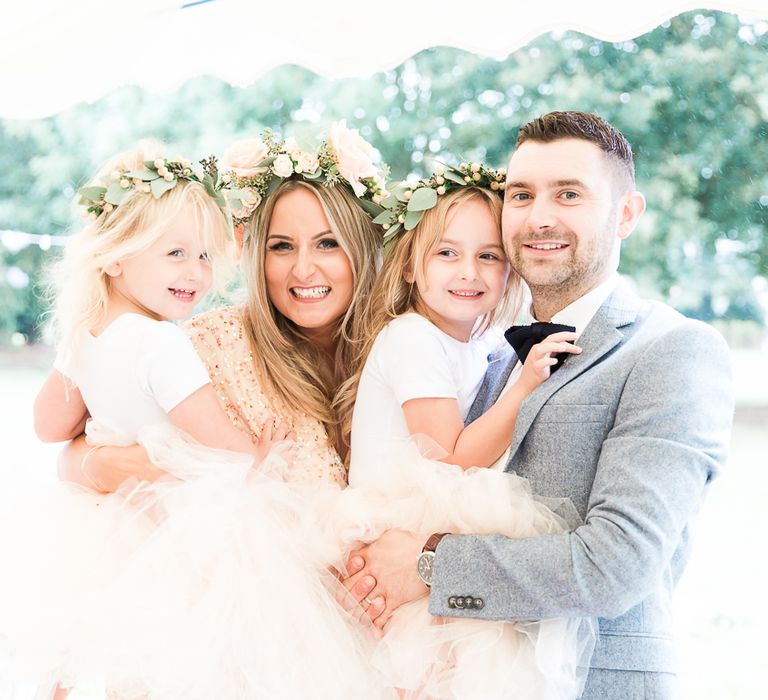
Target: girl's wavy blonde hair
x,y
396,290
284,356
78,284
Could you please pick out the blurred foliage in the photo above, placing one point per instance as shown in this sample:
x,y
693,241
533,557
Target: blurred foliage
x,y
691,96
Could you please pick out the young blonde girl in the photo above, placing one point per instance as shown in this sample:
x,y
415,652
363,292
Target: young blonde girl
x,y
433,321
444,287
121,269
174,586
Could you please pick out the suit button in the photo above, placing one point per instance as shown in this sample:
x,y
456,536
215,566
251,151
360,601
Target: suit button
x,y
452,601
479,603
460,602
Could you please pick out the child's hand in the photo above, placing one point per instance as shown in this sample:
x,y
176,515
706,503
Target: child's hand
x,y
542,357
273,432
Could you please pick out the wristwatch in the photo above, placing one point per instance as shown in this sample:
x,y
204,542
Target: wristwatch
x,y
427,558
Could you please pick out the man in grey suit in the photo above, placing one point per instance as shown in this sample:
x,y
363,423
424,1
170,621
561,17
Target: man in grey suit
x,y
632,430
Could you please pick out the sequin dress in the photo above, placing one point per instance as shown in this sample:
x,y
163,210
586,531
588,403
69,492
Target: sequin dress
x,y
220,340
211,584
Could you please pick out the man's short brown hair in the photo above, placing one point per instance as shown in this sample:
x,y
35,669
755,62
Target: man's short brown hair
x,y
590,127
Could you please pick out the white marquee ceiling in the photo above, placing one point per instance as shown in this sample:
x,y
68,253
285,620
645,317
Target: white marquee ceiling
x,y
54,54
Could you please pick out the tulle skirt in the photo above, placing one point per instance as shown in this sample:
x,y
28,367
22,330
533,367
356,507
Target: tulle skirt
x,y
217,584
209,585
465,659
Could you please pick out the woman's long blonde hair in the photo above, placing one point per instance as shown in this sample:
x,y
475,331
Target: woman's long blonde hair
x,y
396,290
284,356
78,284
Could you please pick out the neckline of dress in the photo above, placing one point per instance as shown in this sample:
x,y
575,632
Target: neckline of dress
x,y
116,321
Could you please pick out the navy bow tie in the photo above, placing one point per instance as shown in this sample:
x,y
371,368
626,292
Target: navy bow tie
x,y
523,338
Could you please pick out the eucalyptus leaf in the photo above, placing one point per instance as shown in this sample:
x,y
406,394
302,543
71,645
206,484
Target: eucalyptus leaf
x,y
92,194
390,202
313,176
391,232
235,203
115,194
398,191
369,207
454,176
422,199
162,185
235,198
265,163
150,164
385,217
274,183
412,218
145,176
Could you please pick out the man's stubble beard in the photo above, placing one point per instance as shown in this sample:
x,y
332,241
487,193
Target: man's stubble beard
x,y
558,285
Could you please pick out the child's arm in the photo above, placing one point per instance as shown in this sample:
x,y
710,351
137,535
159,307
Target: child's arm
x,y
201,416
484,440
59,410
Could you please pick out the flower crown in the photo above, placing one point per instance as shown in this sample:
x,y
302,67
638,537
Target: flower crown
x,y
157,177
408,201
254,169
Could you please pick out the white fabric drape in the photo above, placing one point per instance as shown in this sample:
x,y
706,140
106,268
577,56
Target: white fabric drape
x,y
54,54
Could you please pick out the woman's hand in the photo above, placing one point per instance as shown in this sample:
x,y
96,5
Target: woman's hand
x,y
382,575
273,432
103,468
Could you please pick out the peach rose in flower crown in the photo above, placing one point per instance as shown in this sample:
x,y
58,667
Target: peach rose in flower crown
x,y
354,156
291,146
306,163
248,199
242,157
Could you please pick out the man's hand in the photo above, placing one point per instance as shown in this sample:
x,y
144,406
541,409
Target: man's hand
x,y
382,575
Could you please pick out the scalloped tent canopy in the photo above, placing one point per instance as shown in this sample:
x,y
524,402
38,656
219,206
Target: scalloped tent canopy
x,y
54,54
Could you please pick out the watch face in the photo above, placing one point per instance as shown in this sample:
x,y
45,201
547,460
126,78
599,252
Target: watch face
x,y
424,566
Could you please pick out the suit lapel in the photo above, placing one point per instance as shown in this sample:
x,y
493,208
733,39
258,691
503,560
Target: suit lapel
x,y
598,338
500,366
498,375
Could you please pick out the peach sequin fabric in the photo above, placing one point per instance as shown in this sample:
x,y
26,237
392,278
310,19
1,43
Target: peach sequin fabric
x,y
220,340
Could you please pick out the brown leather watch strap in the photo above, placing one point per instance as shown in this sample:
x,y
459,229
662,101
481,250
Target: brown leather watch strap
x,y
433,541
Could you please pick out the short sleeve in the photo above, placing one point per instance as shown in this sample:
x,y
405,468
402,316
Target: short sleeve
x,y
62,363
415,362
171,369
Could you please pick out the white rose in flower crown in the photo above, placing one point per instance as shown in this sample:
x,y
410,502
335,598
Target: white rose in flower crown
x,y
283,165
306,163
242,157
353,154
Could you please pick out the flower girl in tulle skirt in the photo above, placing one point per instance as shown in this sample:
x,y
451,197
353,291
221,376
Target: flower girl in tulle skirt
x,y
445,283
210,582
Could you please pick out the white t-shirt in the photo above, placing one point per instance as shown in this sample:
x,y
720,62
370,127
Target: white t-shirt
x,y
411,358
134,373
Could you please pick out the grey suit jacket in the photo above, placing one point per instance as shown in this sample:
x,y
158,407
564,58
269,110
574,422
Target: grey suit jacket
x,y
632,431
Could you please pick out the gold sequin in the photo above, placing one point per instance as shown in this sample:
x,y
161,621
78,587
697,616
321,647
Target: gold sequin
x,y
220,340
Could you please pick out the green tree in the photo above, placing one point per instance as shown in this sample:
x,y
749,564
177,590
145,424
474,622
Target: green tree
x,y
691,96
